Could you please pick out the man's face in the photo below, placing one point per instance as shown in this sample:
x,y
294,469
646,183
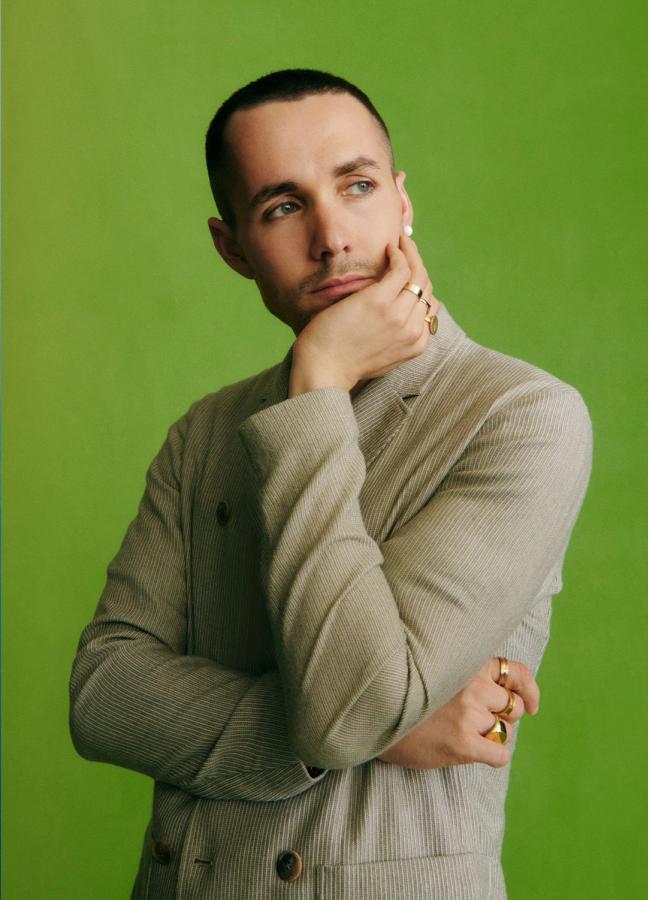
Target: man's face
x,y
314,198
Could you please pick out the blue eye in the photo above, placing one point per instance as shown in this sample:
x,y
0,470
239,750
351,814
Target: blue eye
x,y
364,184
271,214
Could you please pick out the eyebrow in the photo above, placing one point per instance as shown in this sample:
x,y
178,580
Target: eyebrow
x,y
286,187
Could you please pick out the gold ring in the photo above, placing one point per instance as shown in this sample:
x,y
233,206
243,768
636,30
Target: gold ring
x,y
498,732
427,303
413,288
503,672
510,706
433,323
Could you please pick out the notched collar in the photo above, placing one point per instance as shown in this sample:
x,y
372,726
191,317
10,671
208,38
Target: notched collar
x,y
381,407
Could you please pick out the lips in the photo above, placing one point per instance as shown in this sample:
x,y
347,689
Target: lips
x,y
337,286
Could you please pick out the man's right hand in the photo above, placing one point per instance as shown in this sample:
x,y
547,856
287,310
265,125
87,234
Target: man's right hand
x,y
369,332
454,734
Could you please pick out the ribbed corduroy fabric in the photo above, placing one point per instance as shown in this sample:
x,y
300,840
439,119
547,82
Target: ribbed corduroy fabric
x,y
307,579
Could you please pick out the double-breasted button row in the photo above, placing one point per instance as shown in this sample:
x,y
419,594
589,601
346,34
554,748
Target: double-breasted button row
x,y
161,852
289,865
222,513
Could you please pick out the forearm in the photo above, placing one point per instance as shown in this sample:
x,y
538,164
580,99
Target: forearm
x,y
212,731
140,700
372,639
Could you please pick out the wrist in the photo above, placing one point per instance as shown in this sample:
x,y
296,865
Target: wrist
x,y
306,377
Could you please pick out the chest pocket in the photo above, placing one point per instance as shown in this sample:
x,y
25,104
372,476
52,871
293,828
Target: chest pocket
x,y
463,876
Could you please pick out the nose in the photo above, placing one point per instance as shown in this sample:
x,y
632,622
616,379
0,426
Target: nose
x,y
330,233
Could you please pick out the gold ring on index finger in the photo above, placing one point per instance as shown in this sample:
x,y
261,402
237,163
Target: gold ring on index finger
x,y
433,322
413,289
510,706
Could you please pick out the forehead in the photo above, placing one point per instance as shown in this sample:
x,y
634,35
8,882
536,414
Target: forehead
x,y
301,140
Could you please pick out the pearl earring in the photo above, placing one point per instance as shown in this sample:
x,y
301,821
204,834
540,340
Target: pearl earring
x,y
409,231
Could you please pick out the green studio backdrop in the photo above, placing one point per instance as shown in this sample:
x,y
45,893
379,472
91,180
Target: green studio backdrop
x,y
522,130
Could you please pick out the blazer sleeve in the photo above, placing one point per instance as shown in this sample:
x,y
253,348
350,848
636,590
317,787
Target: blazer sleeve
x,y
138,700
371,639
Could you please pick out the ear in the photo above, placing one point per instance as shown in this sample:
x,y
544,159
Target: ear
x,y
228,247
406,203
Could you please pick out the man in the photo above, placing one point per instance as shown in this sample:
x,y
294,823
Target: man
x,y
324,618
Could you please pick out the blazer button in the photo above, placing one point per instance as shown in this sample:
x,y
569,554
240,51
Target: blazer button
x,y
289,865
222,513
162,852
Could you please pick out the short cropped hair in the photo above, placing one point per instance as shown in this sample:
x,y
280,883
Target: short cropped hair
x,y
285,84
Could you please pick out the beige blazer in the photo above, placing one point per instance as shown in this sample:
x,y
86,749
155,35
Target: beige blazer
x,y
305,581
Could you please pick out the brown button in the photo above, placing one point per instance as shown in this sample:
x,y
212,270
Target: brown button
x,y
289,865
222,513
162,852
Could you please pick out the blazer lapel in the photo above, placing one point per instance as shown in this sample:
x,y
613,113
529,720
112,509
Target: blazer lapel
x,y
381,408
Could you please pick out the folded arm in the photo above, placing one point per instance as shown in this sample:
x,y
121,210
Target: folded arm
x,y
372,639
139,700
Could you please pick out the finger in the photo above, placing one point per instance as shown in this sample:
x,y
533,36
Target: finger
x,y
485,735
492,753
436,304
504,697
409,248
420,277
419,306
417,267
414,307
419,272
411,251
398,270
520,680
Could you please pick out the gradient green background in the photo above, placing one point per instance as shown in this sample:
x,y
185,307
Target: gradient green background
x,y
522,127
